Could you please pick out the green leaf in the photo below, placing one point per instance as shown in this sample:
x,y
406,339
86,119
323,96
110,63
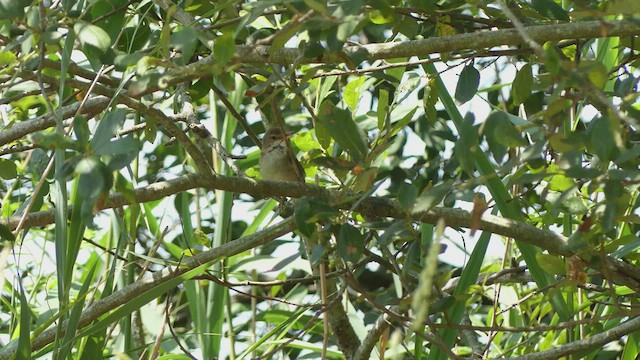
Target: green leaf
x,y
347,28
23,352
400,230
352,92
224,48
631,154
604,132
433,196
382,108
81,130
407,195
10,9
467,85
199,237
551,59
467,145
6,234
92,36
54,141
304,211
323,136
430,99
596,72
559,182
113,23
283,36
552,264
380,17
549,9
318,6
91,180
344,130
507,134
126,145
94,179
107,128
186,40
350,243
8,169
6,57
522,85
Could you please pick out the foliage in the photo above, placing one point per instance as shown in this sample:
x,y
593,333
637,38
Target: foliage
x,y
132,223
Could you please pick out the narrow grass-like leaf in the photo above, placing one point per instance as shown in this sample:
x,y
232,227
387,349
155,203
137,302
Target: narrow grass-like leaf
x,y
74,318
278,330
501,197
23,352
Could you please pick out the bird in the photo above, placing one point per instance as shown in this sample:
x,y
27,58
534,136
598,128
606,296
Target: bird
x,y
277,160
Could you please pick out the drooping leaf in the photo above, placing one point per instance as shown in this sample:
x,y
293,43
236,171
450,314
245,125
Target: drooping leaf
x,y
304,211
350,243
507,134
6,57
381,16
549,9
604,138
224,48
552,264
381,110
522,85
6,234
343,129
433,196
352,92
186,40
107,128
12,8
8,169
466,145
92,36
468,83
407,195
119,146
114,23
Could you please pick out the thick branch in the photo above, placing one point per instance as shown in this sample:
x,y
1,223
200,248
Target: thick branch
x,y
154,280
593,341
622,272
422,48
149,112
20,129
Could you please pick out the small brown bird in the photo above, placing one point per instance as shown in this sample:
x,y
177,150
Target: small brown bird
x,y
277,160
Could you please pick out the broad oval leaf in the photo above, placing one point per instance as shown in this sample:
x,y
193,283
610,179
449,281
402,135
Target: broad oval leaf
x,y
468,83
92,36
343,130
107,128
350,243
522,85
8,169
224,48
549,9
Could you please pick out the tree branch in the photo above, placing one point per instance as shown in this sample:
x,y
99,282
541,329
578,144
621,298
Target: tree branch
x,y
591,342
623,273
91,108
150,282
422,48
